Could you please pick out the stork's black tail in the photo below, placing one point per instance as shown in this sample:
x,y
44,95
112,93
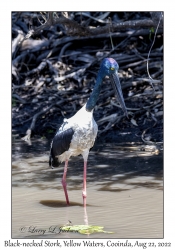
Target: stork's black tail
x,y
59,145
53,161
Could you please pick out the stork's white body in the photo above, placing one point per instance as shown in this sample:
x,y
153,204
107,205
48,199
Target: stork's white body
x,y
85,132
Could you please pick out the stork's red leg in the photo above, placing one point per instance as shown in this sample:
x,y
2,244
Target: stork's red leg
x,y
84,183
64,184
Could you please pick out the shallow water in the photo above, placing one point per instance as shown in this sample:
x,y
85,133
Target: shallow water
x,y
124,192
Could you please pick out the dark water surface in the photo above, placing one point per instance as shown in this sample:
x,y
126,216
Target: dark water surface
x,y
124,192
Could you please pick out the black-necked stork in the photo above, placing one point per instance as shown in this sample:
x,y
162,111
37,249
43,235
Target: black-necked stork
x,y
77,134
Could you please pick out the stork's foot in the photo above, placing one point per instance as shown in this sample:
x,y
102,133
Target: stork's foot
x,y
85,216
84,183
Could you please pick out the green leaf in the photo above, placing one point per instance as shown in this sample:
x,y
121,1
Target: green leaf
x,y
151,31
13,102
84,229
50,131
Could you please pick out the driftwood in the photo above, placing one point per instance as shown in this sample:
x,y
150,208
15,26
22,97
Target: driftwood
x,y
74,28
55,59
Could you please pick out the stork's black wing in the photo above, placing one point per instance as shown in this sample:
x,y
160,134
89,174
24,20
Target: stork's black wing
x,y
59,145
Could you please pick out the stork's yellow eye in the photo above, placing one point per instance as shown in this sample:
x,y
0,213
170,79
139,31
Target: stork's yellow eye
x,y
112,68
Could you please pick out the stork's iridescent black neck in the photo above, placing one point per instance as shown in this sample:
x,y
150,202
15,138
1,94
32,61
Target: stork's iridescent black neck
x,y
109,67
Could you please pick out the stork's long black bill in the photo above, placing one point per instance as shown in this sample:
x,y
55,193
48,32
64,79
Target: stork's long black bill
x,y
118,90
